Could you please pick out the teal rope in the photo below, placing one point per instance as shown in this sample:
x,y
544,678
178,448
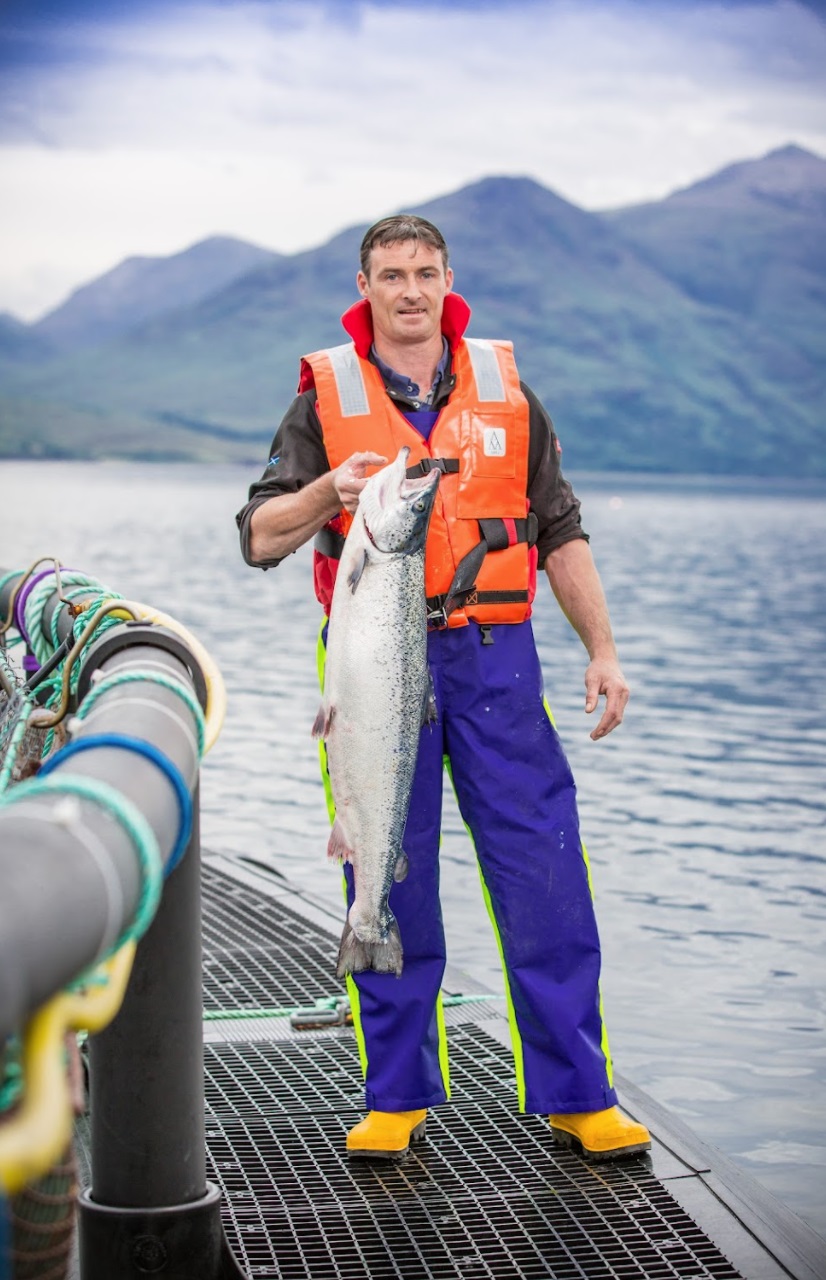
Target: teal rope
x,y
135,826
40,595
67,597
49,690
18,716
11,673
324,1004
15,738
11,1075
241,1015
106,623
17,735
136,674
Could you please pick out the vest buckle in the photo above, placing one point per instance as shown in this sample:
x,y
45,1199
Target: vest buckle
x,y
436,612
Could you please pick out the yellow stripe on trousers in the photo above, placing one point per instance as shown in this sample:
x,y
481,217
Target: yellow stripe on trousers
x,y
516,1039
603,1044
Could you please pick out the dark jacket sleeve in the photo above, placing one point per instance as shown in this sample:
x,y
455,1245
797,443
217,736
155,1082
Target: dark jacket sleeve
x,y
297,457
551,497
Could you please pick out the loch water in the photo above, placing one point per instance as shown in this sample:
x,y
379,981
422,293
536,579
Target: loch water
x,y
704,815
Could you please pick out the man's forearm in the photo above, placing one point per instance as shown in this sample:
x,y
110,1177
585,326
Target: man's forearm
x,y
578,589
284,523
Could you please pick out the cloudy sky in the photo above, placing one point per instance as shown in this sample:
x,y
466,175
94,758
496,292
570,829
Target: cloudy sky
x,y
141,128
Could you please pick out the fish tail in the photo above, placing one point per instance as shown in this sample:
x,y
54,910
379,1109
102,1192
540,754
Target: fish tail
x,y
355,956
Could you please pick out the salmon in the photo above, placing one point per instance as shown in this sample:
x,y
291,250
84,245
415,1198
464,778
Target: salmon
x,y
377,694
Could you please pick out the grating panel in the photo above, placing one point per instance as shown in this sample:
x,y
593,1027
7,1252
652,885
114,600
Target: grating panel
x,y
489,1195
259,953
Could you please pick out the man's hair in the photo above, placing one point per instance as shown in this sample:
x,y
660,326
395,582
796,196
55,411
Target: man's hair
x,y
398,229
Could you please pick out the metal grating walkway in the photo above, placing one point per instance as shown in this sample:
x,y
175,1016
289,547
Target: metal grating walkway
x,y
487,1196
260,954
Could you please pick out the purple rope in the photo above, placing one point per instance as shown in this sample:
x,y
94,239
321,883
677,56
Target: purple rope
x,y
20,603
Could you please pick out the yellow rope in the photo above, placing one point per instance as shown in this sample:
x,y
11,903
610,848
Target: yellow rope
x,y
38,1131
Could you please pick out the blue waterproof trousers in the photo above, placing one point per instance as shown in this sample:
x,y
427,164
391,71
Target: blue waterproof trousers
x,y
517,796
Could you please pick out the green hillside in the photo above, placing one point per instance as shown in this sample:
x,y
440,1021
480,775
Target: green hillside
x,y
684,336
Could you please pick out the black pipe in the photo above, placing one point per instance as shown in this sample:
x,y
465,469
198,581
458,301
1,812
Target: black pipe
x,y
7,591
150,1207
146,1068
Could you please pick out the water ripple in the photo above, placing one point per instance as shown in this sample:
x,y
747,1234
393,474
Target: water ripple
x,y
704,816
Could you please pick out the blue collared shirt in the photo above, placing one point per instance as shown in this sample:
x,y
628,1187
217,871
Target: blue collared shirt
x,y
404,386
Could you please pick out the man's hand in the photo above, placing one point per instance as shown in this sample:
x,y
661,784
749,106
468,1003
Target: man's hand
x,y
605,677
349,479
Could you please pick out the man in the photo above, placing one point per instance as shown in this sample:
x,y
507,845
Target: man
x,y
410,377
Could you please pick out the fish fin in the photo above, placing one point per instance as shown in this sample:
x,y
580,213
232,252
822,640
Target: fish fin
x,y
430,712
323,721
402,867
355,573
354,956
338,847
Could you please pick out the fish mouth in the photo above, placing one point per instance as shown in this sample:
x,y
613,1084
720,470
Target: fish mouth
x,y
421,484
415,484
409,486
412,495
423,487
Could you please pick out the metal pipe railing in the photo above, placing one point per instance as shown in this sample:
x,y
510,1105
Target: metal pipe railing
x,y
73,882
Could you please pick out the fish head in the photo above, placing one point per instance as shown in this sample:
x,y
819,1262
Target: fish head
x,y
396,510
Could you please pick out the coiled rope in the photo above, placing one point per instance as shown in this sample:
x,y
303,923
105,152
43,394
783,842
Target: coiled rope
x,y
38,1131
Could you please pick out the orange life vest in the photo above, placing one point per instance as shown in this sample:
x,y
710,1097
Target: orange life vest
x,y
480,443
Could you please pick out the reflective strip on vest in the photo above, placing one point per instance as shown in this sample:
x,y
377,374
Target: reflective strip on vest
x,y
352,393
486,369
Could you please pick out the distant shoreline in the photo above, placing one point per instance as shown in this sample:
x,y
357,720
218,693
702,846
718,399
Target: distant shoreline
x,y
608,481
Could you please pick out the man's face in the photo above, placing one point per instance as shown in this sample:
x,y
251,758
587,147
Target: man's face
x,y
406,290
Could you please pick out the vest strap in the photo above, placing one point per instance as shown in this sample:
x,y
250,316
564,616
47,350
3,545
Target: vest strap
x,y
328,542
497,535
447,466
439,608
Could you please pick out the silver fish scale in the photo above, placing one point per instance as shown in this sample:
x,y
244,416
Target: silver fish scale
x,y
374,694
376,683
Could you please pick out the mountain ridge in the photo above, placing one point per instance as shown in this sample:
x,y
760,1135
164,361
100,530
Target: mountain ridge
x,y
138,288
652,332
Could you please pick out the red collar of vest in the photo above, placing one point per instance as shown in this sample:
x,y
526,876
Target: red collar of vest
x,y
358,321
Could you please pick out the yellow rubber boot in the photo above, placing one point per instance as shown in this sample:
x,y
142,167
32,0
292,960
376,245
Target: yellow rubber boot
x,y
601,1135
386,1135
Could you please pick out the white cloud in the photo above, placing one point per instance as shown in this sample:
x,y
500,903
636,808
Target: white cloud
x,y
274,123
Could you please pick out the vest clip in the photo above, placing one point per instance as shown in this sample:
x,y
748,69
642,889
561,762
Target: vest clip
x,y
447,466
437,612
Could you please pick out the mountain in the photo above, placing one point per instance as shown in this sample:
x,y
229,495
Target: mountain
x,y
19,344
139,289
749,239
681,336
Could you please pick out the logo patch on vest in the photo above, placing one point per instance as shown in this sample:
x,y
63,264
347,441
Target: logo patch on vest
x,y
495,440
